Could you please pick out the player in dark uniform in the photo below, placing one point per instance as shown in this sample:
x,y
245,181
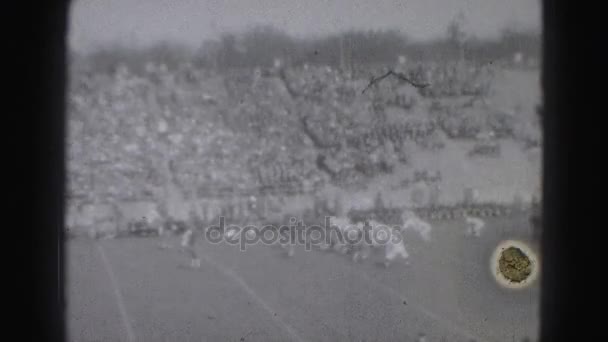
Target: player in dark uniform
x,y
362,249
189,239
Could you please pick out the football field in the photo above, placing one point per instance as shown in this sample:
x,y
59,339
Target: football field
x,y
130,290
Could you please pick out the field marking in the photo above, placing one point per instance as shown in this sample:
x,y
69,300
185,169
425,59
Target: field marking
x,y
118,294
446,322
232,275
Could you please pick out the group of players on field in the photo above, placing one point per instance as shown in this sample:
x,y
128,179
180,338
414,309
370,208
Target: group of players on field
x,y
388,239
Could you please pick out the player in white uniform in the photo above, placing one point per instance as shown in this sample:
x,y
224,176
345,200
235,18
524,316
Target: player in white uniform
x,y
395,247
170,228
474,226
188,244
412,222
287,243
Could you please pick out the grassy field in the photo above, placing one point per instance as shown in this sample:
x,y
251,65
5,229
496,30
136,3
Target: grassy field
x,y
117,286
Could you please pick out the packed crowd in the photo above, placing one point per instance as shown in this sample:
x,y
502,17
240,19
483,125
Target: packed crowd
x,y
455,79
250,132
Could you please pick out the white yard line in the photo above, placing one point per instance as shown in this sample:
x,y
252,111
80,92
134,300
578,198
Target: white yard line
x,y
235,277
443,321
117,293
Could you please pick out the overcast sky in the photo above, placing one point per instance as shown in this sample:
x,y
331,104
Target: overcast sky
x,y
137,22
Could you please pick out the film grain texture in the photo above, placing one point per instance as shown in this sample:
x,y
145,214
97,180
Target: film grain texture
x,y
304,171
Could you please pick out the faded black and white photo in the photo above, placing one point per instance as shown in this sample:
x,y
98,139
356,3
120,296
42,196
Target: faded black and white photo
x,y
322,170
